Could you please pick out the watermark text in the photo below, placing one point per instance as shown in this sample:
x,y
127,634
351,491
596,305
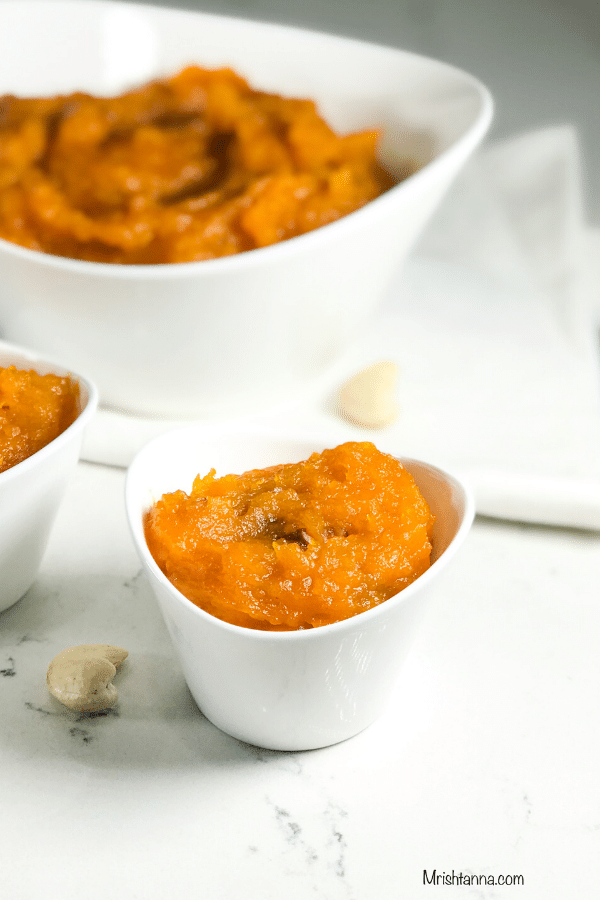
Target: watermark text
x,y
467,878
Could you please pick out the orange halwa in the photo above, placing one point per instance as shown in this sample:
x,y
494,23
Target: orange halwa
x,y
295,546
34,409
185,168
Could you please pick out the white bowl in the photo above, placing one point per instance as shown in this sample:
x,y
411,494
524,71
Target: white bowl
x,y
294,690
31,491
205,338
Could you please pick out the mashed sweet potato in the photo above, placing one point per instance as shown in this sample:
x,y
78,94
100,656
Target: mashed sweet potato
x,y
295,546
34,409
185,168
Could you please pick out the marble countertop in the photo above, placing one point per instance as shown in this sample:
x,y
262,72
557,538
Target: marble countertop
x,y
484,764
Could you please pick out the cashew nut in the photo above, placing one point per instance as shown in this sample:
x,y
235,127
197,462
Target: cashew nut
x,y
80,677
368,398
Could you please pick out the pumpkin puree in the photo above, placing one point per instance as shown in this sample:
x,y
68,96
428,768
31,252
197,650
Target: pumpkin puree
x,y
185,168
34,409
295,546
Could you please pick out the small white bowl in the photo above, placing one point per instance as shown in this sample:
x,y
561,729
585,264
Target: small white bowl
x,y
294,690
209,338
31,492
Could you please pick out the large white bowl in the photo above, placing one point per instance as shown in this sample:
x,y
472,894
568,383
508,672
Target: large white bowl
x,y
31,492
198,339
286,690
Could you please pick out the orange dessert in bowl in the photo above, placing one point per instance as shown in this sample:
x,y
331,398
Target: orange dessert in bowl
x,y
261,208
292,544
298,545
194,166
34,410
44,409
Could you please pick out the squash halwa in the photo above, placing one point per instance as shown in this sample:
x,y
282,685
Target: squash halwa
x,y
34,409
185,168
295,546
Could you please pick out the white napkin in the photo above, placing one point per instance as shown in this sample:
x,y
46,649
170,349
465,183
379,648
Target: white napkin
x,y
493,324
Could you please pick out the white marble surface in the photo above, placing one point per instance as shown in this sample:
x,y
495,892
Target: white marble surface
x,y
484,763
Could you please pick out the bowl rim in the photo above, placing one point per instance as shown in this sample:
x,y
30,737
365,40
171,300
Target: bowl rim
x,y
289,247
135,513
87,411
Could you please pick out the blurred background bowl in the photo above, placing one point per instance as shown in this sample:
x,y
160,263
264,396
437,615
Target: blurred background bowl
x,y
219,336
31,492
295,690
